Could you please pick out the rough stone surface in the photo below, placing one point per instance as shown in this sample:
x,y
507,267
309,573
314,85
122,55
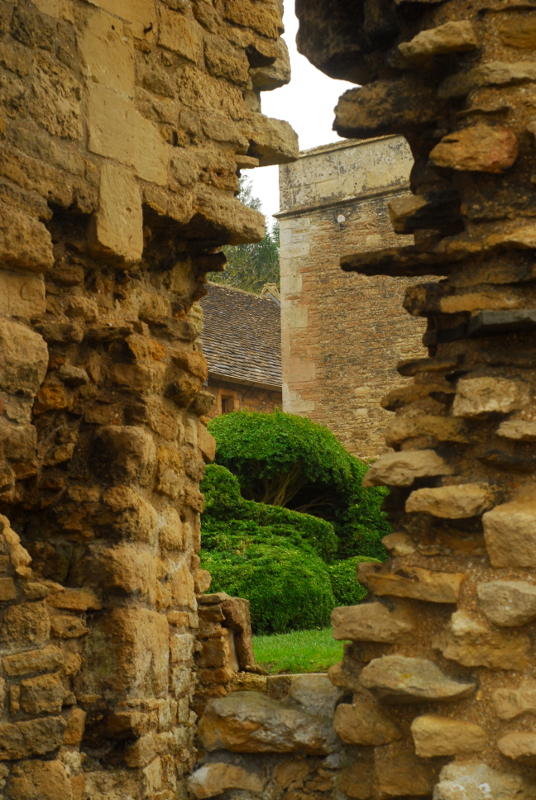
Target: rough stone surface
x,y
478,397
519,746
364,722
214,778
402,469
478,782
508,603
469,643
479,148
510,533
444,736
511,703
372,622
452,502
399,679
415,582
452,37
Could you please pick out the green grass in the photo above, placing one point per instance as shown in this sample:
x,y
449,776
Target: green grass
x,y
299,651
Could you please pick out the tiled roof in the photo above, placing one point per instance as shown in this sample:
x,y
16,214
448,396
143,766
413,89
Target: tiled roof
x,y
242,335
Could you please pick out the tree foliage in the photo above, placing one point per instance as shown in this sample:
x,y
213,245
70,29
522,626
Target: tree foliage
x,y
250,266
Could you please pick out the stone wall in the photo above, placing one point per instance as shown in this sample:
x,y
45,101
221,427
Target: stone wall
x,y
441,659
251,398
337,329
123,126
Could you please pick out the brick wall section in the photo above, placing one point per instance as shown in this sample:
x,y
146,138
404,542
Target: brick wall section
x,y
342,335
123,126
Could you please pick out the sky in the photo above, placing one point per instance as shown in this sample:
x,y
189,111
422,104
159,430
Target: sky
x,y
307,102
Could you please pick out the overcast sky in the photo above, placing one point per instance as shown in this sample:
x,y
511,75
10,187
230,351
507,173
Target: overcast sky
x,y
307,103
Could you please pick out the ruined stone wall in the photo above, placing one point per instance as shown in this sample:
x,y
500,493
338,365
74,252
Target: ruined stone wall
x,y
337,329
441,659
122,129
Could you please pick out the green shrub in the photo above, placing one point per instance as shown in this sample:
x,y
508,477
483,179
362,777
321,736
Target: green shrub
x,y
343,576
283,460
288,588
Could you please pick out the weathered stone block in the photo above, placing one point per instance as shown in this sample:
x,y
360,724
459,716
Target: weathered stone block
x,y
415,582
479,397
49,658
25,624
117,130
469,643
108,53
510,703
42,695
444,736
21,295
452,502
364,722
401,679
452,37
42,736
56,99
215,777
510,534
140,13
479,148
477,780
39,780
181,34
400,773
372,622
508,603
118,228
124,453
401,469
24,241
519,746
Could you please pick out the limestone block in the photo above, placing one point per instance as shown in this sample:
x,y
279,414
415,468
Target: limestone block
x,y
140,13
399,773
107,52
479,397
11,742
137,641
43,694
225,61
249,722
344,675
356,780
26,624
23,358
67,626
124,453
508,603
39,780
61,9
181,647
314,692
118,225
364,722
43,735
401,469
181,34
518,32
264,79
452,502
492,73
124,571
216,777
21,295
265,19
8,590
400,679
24,241
443,429
415,582
49,658
477,781
452,37
241,224
75,727
510,534
275,142
371,622
469,643
74,600
117,130
519,429
55,101
519,746
479,148
443,736
511,703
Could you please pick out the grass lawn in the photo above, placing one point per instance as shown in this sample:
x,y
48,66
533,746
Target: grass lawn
x,y
299,651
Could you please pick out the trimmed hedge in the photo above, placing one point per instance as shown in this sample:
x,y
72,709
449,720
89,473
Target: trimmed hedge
x,y
343,576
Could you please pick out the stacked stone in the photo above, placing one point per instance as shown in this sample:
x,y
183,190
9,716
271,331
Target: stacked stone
x,y
123,127
441,659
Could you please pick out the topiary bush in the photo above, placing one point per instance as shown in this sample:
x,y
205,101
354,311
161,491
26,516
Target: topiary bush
x,y
288,588
343,576
286,519
287,461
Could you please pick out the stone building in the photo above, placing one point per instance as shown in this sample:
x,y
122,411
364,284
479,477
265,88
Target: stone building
x,y
343,334
242,344
123,128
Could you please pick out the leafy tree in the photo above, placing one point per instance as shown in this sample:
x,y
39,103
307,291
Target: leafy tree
x,y
250,266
